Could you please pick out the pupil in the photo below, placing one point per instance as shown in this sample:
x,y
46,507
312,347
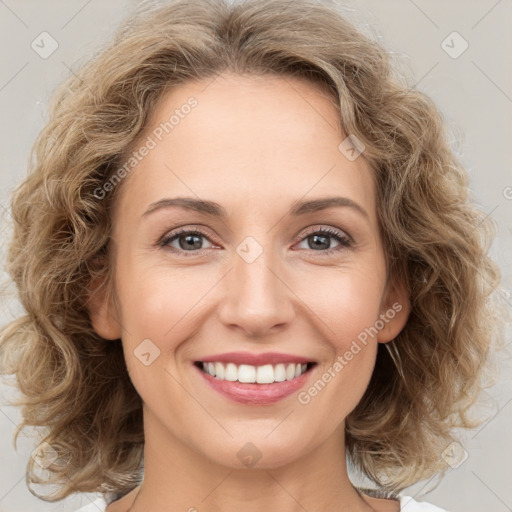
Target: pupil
x,y
326,241
189,242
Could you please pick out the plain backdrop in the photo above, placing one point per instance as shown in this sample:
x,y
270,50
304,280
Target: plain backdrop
x,y
473,89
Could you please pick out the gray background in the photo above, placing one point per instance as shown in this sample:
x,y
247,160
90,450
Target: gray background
x,y
474,92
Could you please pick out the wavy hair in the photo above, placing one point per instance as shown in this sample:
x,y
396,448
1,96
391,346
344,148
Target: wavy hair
x,y
75,385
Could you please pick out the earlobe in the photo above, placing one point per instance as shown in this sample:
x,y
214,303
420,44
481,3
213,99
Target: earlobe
x,y
395,315
102,313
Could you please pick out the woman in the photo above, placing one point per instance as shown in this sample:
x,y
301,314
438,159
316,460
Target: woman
x,y
248,257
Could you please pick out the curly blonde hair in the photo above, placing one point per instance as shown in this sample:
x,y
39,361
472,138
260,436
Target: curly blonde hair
x,y
75,384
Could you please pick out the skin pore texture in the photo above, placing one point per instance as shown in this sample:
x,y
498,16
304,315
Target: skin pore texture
x,y
254,145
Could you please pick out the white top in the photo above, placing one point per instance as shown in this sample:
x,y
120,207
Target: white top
x,y
407,503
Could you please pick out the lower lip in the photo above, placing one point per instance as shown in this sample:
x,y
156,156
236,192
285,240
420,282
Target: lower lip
x,y
256,394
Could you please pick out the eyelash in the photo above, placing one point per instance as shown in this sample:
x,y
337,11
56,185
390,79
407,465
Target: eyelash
x,y
345,242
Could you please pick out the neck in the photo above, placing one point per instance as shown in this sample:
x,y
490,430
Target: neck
x,y
178,478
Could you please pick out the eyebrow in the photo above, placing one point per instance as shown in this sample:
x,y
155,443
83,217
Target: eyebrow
x,y
214,209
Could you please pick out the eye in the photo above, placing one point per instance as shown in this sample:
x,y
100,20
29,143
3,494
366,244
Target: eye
x,y
185,240
191,241
319,240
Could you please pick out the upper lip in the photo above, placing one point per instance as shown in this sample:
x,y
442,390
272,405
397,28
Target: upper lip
x,y
255,359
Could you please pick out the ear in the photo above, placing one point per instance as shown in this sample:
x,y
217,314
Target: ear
x,y
102,312
395,311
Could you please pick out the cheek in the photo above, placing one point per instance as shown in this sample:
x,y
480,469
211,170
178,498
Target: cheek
x,y
161,303
157,311
348,307
346,301
161,309
156,300
349,315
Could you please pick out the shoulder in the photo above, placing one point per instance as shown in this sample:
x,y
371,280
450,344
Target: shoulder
x,y
98,505
408,504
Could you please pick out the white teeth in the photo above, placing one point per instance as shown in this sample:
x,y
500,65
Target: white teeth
x,y
231,372
290,372
266,374
219,370
246,373
279,373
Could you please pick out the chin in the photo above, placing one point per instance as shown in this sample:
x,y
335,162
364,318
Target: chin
x,y
259,450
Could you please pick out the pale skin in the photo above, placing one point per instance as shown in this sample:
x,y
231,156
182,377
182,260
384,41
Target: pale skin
x,y
253,145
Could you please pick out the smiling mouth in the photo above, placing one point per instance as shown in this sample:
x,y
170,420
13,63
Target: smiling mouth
x,y
248,374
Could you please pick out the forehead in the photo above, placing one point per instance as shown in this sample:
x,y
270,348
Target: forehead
x,y
247,140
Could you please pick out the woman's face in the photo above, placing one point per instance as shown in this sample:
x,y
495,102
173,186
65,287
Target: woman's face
x,y
258,275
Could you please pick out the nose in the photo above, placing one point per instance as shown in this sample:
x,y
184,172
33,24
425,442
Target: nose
x,y
257,299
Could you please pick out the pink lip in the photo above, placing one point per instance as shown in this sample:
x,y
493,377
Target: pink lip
x,y
255,394
255,359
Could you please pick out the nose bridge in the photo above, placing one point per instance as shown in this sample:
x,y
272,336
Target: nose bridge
x,y
256,299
